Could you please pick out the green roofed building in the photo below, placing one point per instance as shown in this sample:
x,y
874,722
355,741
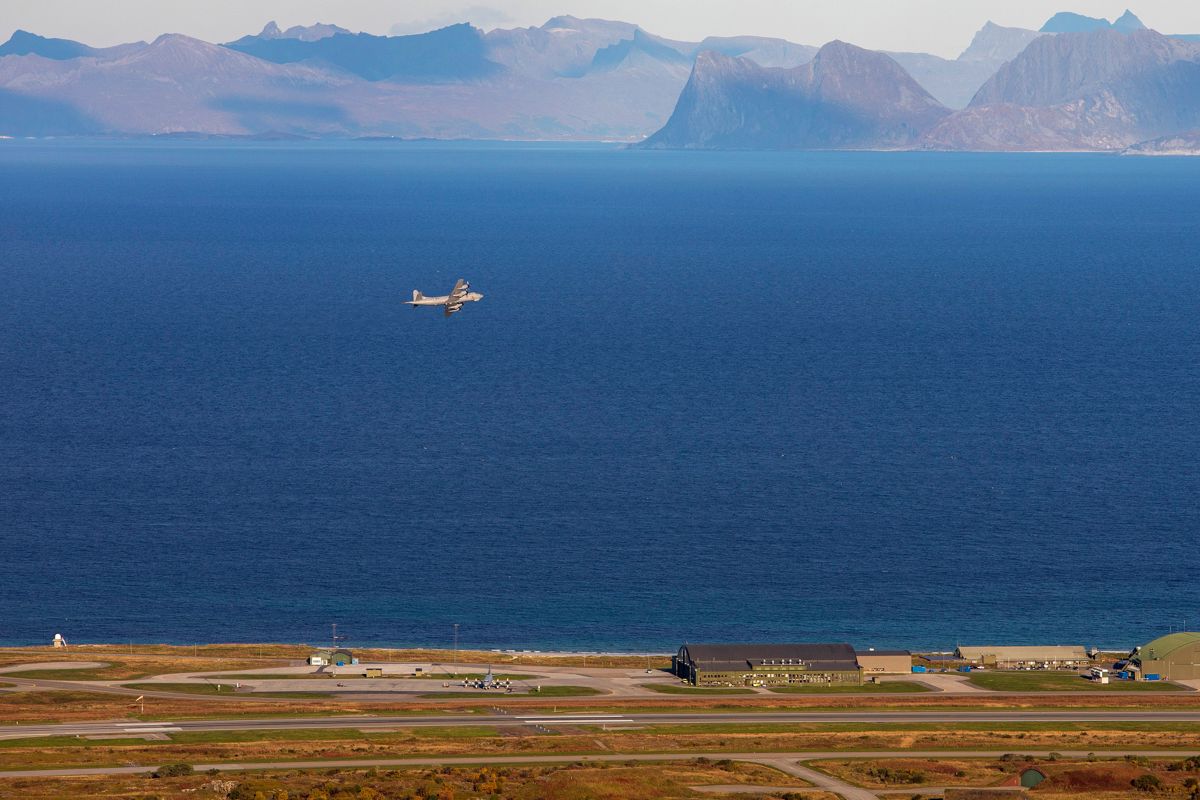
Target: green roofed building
x,y
1174,657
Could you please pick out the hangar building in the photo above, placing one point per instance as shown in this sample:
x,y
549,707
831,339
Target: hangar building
x,y
1174,657
766,664
1034,656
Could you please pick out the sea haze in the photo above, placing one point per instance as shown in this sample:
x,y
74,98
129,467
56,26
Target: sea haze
x,y
899,399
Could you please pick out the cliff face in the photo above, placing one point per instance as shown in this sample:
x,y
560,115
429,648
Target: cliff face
x,y
1057,69
997,44
846,97
1101,90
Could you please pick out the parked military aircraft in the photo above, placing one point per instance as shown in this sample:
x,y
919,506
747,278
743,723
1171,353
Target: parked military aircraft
x,y
452,302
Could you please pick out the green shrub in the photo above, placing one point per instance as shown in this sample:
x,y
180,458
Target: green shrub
x,y
172,771
1147,783
892,775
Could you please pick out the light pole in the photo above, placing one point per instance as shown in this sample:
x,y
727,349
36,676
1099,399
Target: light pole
x,y
455,667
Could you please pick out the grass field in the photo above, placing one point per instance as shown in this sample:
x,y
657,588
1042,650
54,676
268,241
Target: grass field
x,y
1060,682
122,667
107,673
678,688
891,687
216,689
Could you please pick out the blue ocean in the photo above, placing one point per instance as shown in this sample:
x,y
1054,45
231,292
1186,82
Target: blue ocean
x,y
895,399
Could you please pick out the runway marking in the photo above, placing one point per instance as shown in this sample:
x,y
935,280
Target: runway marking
x,y
149,727
578,721
573,716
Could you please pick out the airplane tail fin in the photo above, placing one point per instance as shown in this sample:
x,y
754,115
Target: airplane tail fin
x,y
417,295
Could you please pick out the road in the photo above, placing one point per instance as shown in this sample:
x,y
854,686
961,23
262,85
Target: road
x,y
368,723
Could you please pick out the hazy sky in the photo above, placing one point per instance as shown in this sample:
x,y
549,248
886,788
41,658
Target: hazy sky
x,y
938,26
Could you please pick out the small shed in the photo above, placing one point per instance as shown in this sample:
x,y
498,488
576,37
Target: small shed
x,y
373,672
884,662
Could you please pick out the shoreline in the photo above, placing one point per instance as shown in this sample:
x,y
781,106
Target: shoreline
x,y
139,648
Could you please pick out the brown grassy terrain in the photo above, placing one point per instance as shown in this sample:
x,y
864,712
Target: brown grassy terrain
x,y
897,772
483,741
568,782
122,666
1064,778
278,652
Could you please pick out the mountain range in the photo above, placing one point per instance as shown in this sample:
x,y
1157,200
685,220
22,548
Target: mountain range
x,y
1079,83
1096,90
1100,90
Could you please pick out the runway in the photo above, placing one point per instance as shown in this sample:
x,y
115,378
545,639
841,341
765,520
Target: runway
x,y
548,720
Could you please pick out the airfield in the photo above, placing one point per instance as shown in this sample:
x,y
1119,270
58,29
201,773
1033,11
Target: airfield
x,y
422,681
102,715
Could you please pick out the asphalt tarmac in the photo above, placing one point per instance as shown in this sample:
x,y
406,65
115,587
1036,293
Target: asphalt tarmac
x,y
371,722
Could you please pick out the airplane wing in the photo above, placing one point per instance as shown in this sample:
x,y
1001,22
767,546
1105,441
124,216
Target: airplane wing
x,y
454,301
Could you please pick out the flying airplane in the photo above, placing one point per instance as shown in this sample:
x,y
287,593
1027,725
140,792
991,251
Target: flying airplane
x,y
452,302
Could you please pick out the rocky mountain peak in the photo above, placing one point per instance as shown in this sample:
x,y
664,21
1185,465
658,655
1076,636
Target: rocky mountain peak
x,y
997,43
1128,22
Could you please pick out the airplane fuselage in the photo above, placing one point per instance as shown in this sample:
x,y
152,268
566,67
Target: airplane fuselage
x,y
469,297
